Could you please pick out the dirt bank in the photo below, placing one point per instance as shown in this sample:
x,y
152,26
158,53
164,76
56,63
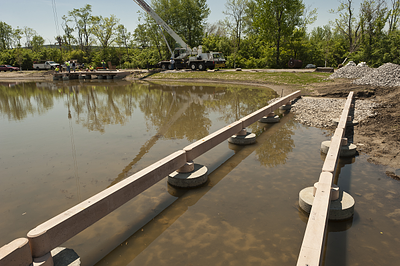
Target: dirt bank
x,y
377,136
29,75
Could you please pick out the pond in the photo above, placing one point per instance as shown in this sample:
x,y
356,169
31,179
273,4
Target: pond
x,y
61,143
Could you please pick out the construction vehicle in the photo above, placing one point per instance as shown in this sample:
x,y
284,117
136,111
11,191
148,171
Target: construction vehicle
x,y
184,57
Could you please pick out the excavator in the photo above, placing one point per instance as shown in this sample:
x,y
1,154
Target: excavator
x,y
184,57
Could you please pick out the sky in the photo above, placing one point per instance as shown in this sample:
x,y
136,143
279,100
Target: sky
x,y
39,15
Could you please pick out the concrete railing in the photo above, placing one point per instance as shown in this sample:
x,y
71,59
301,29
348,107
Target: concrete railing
x,y
311,250
50,234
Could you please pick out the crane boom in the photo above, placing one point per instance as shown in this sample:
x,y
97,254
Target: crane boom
x,y
162,23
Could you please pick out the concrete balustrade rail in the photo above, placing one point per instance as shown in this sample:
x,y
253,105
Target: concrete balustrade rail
x,y
50,234
311,250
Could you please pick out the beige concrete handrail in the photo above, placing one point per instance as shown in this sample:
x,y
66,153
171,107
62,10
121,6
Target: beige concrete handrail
x,y
50,234
314,237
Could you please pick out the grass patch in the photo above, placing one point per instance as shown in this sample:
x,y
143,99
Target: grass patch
x,y
292,78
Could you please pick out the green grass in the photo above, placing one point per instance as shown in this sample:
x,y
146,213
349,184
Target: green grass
x,y
292,78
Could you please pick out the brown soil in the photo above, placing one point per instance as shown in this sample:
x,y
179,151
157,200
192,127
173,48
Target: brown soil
x,y
378,136
26,75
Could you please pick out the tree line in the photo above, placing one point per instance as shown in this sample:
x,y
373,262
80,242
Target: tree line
x,y
252,34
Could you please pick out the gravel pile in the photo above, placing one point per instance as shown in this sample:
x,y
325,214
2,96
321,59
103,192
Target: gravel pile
x,y
352,71
321,112
387,75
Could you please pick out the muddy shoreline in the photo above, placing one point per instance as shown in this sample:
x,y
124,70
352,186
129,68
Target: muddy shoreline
x,y
378,136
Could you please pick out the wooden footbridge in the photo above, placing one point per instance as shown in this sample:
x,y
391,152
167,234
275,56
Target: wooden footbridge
x,y
96,74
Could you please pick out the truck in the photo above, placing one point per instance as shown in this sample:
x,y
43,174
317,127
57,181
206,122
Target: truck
x,y
184,57
44,65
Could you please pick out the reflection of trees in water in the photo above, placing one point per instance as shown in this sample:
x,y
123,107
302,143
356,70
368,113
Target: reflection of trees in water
x,y
160,107
238,102
275,148
172,111
24,99
97,106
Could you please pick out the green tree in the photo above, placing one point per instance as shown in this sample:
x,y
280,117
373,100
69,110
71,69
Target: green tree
x,y
104,29
5,36
185,17
276,20
373,17
347,24
37,43
235,11
29,33
123,37
17,36
83,23
147,35
68,38
394,15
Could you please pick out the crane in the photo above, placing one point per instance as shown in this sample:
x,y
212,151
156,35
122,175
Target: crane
x,y
184,57
161,23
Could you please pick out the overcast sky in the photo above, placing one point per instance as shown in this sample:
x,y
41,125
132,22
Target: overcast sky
x,y
39,15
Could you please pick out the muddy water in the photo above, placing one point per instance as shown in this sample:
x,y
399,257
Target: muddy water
x,y
64,142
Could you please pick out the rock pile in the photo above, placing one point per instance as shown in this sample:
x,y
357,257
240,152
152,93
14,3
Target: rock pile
x,y
321,112
352,71
387,75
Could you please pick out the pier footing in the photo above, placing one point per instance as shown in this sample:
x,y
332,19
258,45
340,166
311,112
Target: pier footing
x,y
340,209
65,257
270,119
194,178
247,139
345,151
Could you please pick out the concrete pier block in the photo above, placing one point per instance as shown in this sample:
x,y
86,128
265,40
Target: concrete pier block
x,y
334,191
65,78
16,253
348,150
346,123
286,106
340,209
242,132
65,257
187,168
46,260
345,150
195,178
249,138
109,77
257,115
270,119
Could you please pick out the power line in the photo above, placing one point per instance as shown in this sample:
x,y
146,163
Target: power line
x,y
53,3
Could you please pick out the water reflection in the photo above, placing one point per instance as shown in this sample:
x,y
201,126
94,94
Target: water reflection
x,y
126,253
21,100
246,214
166,108
275,149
